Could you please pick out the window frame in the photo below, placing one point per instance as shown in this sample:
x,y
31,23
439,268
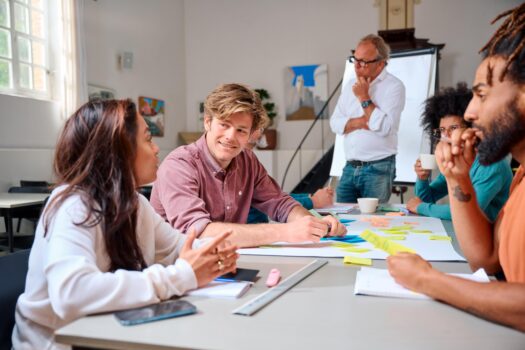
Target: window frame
x,y
16,88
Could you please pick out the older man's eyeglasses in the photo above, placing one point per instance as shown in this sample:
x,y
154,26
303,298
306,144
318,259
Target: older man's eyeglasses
x,y
362,63
440,132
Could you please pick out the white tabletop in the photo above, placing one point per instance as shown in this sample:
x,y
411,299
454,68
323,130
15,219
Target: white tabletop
x,y
319,313
15,200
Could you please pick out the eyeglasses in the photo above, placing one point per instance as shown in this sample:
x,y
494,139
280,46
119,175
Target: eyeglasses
x,y
439,132
362,63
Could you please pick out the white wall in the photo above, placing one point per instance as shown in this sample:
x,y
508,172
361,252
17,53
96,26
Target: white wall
x,y
184,48
154,32
252,42
464,26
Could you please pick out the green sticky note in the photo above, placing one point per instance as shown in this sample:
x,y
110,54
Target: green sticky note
x,y
357,261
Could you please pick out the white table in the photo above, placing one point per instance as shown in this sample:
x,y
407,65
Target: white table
x,y
319,313
10,203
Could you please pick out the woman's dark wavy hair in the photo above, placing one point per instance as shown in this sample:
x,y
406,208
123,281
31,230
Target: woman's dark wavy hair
x,y
509,42
94,157
449,101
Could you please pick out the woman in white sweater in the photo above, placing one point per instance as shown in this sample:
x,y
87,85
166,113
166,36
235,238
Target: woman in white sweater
x,y
99,245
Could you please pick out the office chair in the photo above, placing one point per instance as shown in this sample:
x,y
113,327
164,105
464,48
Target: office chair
x,y
15,266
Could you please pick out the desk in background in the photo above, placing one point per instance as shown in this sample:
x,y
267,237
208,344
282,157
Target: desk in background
x,y
10,203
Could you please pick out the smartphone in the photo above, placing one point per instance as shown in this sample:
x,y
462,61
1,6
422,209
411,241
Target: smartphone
x,y
155,312
247,275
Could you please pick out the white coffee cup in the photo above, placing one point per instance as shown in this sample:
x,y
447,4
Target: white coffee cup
x,y
367,205
428,161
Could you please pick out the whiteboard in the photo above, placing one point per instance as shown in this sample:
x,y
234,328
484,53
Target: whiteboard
x,y
417,70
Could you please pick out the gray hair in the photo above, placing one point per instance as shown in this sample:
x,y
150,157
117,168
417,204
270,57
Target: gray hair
x,y
382,47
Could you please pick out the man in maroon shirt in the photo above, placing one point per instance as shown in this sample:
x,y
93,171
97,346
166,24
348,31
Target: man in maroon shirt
x,y
210,184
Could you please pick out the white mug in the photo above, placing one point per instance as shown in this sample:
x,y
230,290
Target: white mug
x,y
428,161
367,205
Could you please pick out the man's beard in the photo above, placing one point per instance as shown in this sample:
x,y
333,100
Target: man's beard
x,y
506,130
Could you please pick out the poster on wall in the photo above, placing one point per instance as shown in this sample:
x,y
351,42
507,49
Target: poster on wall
x,y
306,91
152,110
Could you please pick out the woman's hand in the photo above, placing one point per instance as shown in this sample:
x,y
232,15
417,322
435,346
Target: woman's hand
x,y
422,174
212,259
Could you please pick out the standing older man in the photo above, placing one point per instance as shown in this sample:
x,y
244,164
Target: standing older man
x,y
497,113
368,115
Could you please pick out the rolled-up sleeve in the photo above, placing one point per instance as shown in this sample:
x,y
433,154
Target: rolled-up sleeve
x,y
387,114
344,110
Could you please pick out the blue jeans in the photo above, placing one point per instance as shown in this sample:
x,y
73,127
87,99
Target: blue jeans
x,y
373,179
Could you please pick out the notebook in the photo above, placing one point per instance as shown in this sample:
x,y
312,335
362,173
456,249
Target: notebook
x,y
378,282
216,289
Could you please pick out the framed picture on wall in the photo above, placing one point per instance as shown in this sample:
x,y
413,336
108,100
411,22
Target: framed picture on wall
x,y
152,109
96,92
306,91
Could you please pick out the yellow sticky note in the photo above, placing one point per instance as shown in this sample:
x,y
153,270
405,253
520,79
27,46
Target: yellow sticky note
x,y
356,250
357,261
421,231
341,245
439,238
395,232
395,238
401,228
384,244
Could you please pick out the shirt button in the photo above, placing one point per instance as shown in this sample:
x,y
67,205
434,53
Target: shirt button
x,y
240,193
228,207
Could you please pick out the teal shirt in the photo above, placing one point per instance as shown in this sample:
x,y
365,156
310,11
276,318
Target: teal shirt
x,y
491,184
256,217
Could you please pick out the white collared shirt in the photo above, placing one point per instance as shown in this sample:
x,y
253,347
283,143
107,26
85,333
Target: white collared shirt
x,y
388,95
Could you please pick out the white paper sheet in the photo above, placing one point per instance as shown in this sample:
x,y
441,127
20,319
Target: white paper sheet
x,y
217,289
431,250
378,282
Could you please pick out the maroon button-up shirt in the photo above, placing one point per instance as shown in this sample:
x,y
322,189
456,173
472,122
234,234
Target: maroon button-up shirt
x,y
192,190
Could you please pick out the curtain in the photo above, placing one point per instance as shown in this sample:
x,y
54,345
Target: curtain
x,y
73,52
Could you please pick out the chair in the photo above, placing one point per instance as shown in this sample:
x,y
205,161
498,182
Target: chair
x,y
28,183
14,270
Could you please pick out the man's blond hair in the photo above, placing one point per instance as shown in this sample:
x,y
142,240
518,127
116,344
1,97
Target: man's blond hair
x,y
228,99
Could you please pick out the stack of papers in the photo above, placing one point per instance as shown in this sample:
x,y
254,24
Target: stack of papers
x,y
378,282
216,289
336,208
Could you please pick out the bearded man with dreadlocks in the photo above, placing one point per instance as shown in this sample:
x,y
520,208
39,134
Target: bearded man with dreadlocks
x,y
497,114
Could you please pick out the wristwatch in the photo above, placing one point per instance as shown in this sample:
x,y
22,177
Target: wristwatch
x,y
366,103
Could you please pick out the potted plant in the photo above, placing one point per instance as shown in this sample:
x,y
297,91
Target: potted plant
x,y
269,133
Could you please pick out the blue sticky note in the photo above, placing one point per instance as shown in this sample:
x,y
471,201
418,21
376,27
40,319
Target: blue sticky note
x,y
346,239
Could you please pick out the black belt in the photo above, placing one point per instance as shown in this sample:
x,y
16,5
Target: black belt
x,y
356,163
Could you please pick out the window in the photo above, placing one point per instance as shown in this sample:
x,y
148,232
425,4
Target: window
x,y
24,53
